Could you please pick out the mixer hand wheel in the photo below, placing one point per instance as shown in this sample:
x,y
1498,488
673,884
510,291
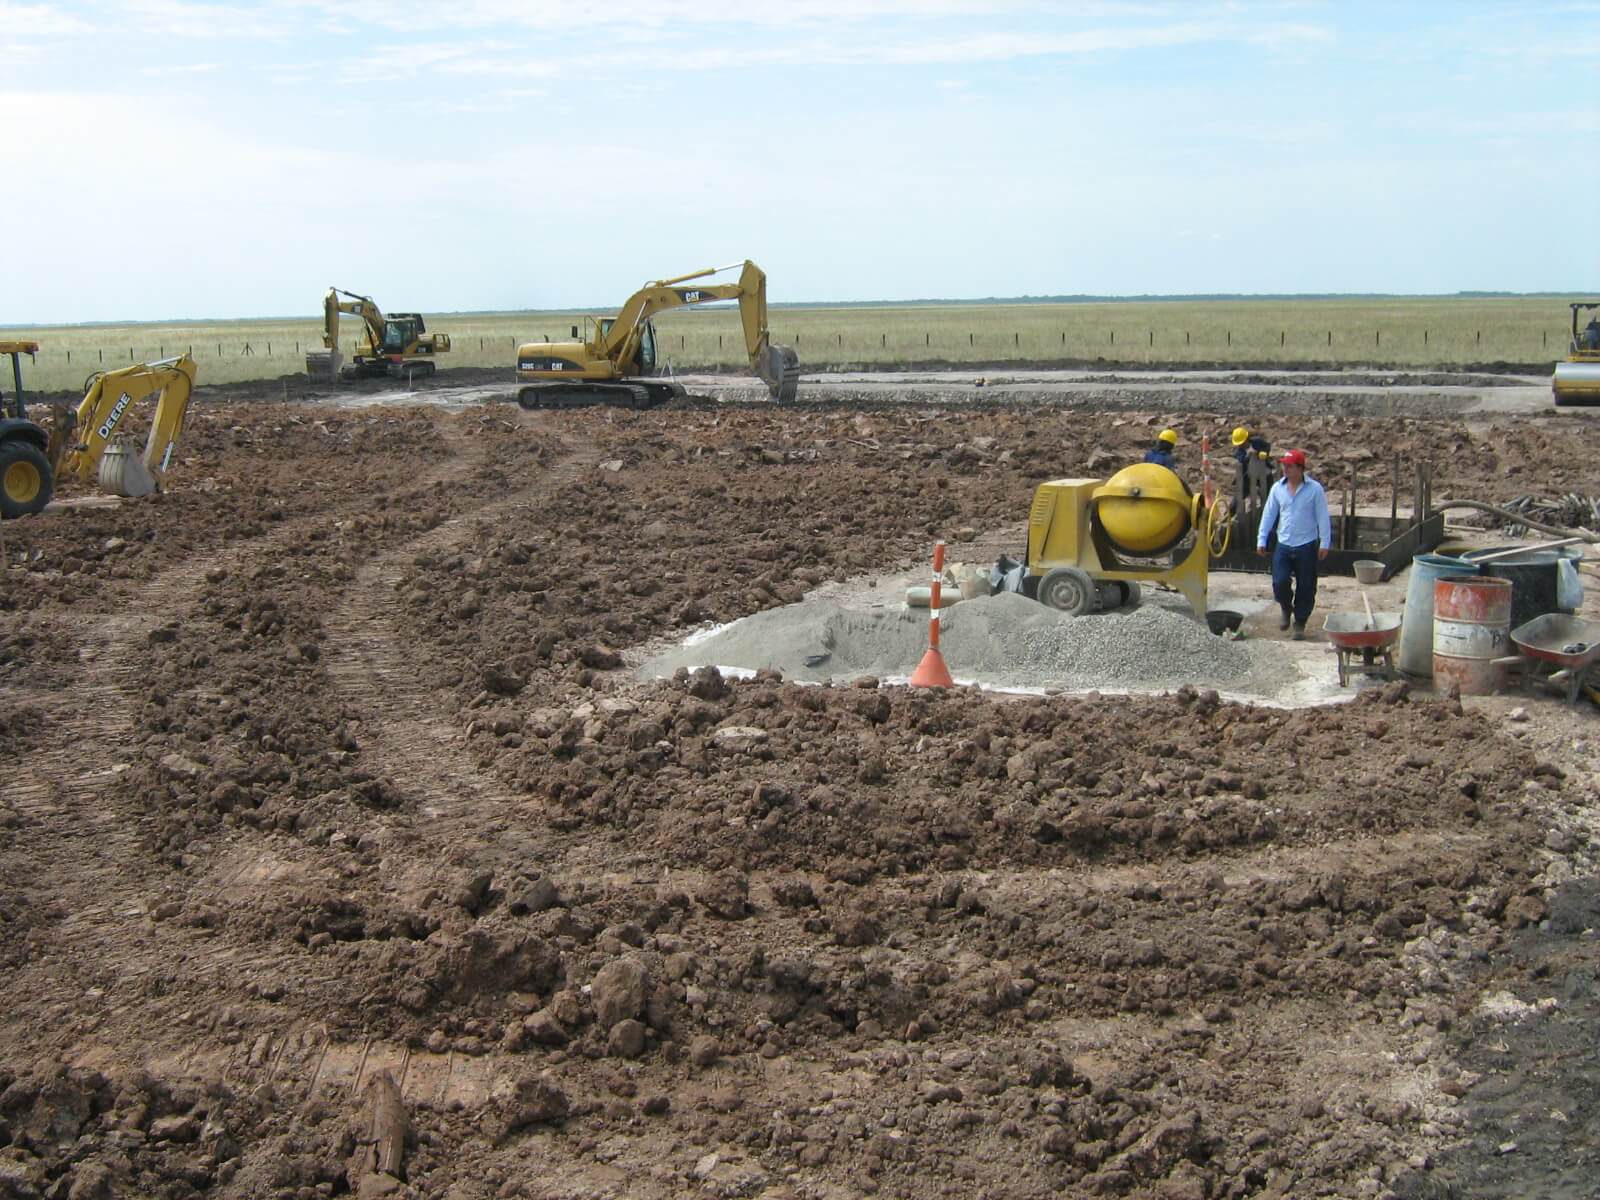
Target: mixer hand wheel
x,y
1219,528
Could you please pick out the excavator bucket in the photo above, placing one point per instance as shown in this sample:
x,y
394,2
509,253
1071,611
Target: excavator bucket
x,y
779,369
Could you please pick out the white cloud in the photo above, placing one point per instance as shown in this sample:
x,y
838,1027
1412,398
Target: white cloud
x,y
39,20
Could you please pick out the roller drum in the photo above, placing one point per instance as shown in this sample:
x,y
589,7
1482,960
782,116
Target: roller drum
x,y
1577,381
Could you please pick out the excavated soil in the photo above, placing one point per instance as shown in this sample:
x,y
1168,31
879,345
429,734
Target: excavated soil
x,y
326,768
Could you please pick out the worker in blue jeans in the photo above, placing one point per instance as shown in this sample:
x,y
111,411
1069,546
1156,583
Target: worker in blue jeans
x,y
1297,511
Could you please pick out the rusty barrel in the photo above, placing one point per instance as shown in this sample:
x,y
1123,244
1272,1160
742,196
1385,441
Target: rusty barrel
x,y
1471,628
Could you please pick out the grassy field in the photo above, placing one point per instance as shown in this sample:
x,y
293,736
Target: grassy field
x,y
1398,332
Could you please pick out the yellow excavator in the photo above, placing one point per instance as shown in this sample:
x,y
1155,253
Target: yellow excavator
x,y
85,442
618,361
398,345
1577,381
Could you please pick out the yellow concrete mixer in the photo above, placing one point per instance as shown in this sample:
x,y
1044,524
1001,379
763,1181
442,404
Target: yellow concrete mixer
x,y
1092,542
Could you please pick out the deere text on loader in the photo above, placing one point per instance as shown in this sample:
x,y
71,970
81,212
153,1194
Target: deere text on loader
x,y
397,345
85,442
1577,380
618,362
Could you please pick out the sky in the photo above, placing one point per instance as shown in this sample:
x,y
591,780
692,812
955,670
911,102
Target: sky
x,y
168,159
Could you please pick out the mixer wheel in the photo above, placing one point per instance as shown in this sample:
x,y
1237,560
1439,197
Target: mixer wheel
x,y
1069,589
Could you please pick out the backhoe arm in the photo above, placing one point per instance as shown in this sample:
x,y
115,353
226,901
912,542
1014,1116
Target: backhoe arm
x,y
107,401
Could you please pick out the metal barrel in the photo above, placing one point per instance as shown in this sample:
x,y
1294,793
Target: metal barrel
x,y
1415,656
1471,629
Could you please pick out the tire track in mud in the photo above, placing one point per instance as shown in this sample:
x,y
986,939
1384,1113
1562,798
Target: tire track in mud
x,y
81,851
373,665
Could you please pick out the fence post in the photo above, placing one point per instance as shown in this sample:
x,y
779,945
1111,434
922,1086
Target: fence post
x,y
1377,337
1152,337
969,339
883,339
102,355
1282,334
1330,337
1424,337
1113,337
69,358
1480,337
1016,338
927,339
1230,337
1185,337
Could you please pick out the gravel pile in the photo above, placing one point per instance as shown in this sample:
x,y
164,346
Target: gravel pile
x,y
1004,640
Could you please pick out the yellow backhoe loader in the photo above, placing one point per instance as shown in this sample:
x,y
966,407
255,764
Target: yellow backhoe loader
x,y
26,481
1577,381
85,442
618,363
398,345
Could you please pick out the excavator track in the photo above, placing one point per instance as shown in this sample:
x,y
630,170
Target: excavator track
x,y
635,394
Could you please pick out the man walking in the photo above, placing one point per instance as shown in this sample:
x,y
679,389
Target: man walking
x,y
1297,511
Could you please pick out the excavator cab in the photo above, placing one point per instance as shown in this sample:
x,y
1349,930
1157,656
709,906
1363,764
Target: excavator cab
x,y
400,333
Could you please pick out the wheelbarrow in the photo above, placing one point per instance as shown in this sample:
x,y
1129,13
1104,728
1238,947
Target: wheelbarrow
x,y
1569,645
1364,643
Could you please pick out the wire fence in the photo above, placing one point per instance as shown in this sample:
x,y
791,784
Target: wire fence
x,y
700,345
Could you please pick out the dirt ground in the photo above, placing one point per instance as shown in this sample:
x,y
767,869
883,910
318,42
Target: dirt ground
x,y
324,769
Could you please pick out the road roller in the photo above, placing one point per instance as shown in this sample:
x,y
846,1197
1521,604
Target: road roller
x,y
1092,542
1577,380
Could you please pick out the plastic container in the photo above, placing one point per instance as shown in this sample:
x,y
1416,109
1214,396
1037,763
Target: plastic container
x,y
1535,579
1415,655
1471,631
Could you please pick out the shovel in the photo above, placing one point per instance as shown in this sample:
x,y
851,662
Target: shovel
x,y
1371,621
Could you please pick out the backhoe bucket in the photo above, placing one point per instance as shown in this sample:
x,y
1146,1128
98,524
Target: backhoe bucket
x,y
121,472
779,369
1577,383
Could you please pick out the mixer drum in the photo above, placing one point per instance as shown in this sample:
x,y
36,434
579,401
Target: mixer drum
x,y
1144,509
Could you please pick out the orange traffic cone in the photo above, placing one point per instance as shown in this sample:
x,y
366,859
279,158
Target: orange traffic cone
x,y
931,671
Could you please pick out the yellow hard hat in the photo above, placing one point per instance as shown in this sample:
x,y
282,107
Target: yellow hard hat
x,y
1241,435
1169,436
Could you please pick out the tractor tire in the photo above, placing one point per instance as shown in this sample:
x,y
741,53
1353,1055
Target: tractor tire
x,y
1070,590
1131,594
26,484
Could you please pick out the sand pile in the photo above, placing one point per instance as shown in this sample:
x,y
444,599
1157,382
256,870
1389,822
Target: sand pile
x,y
1004,640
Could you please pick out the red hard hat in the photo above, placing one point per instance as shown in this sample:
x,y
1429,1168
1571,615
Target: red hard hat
x,y
1294,458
